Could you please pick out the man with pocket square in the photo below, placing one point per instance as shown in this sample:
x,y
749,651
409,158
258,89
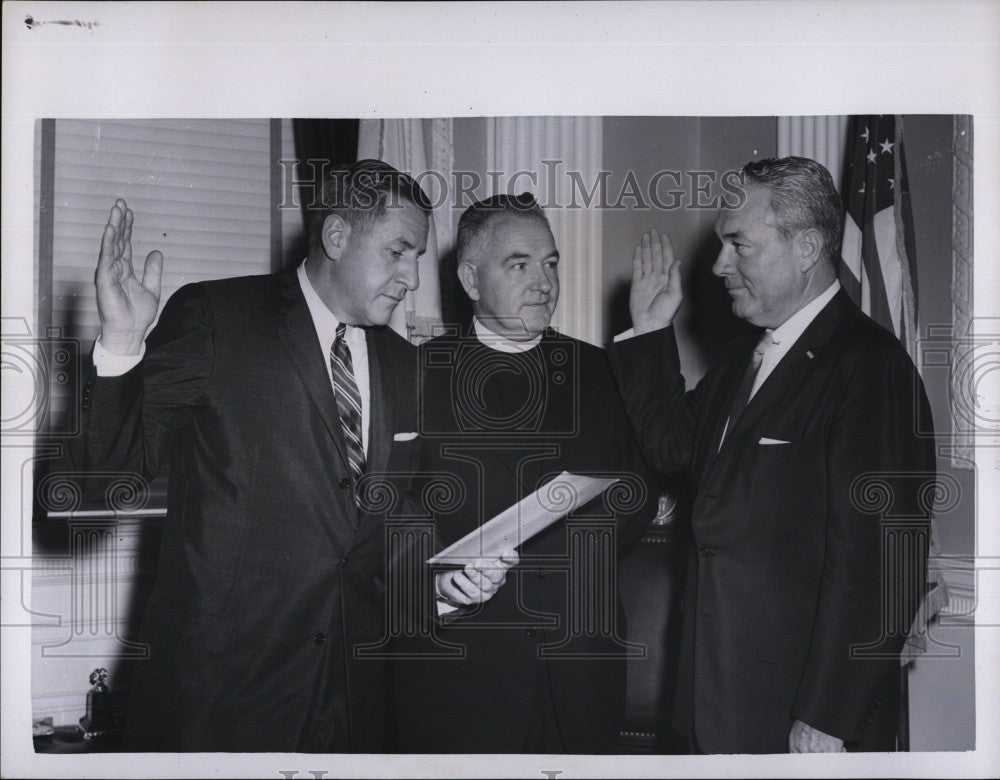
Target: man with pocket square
x,y
800,589
271,397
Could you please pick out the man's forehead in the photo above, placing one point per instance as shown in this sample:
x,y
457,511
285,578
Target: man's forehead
x,y
513,229
405,220
755,213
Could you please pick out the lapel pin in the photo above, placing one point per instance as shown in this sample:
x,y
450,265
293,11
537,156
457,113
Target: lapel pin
x,y
810,354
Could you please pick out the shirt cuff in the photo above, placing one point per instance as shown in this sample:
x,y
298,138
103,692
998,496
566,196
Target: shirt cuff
x,y
630,333
445,607
110,364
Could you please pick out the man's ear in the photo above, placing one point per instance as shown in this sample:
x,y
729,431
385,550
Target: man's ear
x,y
809,245
335,234
468,275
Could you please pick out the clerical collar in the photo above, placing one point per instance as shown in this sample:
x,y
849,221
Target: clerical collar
x,y
502,343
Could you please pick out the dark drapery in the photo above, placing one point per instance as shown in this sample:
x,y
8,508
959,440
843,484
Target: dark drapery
x,y
334,141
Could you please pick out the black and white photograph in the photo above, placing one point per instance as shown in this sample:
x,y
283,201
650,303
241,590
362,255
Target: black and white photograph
x,y
379,403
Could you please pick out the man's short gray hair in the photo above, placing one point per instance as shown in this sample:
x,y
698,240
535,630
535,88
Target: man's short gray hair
x,y
476,219
802,196
361,193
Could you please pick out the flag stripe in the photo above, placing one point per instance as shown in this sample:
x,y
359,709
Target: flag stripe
x,y
876,269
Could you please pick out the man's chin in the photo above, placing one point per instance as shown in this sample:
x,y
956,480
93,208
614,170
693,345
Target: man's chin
x,y
383,315
743,311
535,322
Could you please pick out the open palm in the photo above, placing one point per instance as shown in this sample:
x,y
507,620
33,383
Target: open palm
x,y
126,305
656,283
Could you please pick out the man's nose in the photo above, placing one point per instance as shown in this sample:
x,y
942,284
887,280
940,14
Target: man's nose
x,y
407,273
723,263
542,281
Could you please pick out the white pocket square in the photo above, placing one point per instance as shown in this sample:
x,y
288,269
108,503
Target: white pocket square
x,y
765,440
404,436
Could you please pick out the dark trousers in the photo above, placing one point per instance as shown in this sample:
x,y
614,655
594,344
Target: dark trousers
x,y
542,734
880,733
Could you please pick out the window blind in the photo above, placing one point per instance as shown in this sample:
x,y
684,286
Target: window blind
x,y
199,190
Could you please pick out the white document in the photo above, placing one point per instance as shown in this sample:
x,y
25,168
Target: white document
x,y
529,516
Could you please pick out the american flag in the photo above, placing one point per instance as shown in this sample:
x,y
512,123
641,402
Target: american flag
x,y
878,270
877,259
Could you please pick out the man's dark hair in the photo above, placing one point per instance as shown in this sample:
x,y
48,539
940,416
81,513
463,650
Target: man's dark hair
x,y
476,219
802,196
361,193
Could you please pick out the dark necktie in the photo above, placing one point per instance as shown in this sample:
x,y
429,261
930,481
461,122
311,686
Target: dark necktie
x,y
348,401
742,396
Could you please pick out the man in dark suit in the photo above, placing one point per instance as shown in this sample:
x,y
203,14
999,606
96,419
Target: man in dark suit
x,y
273,398
506,405
800,592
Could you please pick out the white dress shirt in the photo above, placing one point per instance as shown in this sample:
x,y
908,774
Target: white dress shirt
x,y
326,330
785,335
325,323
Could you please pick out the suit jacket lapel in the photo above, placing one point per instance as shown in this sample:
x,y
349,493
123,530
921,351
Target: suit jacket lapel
x,y
382,424
718,409
382,385
792,366
297,335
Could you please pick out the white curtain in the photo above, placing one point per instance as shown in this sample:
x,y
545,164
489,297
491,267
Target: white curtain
x,y
403,143
821,138
537,155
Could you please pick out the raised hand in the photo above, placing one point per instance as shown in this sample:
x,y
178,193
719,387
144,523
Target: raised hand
x,y
126,306
477,581
656,283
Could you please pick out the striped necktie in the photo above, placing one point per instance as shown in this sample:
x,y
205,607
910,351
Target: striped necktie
x,y
348,402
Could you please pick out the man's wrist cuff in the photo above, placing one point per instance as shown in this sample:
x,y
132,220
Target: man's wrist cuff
x,y
109,364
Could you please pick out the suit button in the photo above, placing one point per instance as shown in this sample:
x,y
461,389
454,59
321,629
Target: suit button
x,y
319,639
344,483
706,552
542,573
530,632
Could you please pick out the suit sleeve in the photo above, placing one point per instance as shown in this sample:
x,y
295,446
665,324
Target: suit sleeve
x,y
635,498
414,575
418,602
129,421
874,570
662,415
